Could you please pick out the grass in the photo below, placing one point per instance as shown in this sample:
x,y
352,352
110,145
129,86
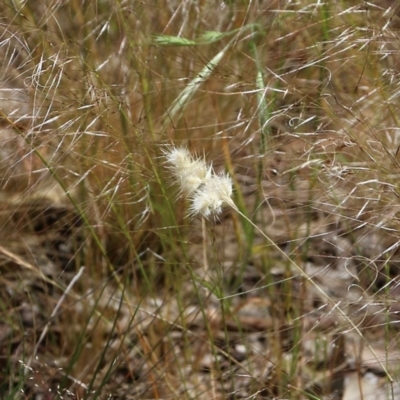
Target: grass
x,y
109,290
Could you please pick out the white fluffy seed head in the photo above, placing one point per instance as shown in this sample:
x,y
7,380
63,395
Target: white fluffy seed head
x,y
178,158
188,172
207,191
211,196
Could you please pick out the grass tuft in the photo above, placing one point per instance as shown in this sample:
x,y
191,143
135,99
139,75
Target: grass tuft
x,y
199,200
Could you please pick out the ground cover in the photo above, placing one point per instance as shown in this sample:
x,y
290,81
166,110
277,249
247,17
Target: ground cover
x,y
112,287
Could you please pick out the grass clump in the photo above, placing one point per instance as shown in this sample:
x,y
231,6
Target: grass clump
x,y
132,268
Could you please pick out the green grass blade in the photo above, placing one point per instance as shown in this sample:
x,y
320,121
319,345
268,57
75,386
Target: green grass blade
x,y
187,93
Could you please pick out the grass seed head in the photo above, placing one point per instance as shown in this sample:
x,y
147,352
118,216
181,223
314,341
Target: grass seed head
x,y
211,196
187,171
207,191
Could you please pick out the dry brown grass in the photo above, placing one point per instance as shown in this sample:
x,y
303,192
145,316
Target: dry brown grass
x,y
301,110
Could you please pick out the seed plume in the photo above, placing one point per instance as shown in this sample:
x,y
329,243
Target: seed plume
x,y
207,191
